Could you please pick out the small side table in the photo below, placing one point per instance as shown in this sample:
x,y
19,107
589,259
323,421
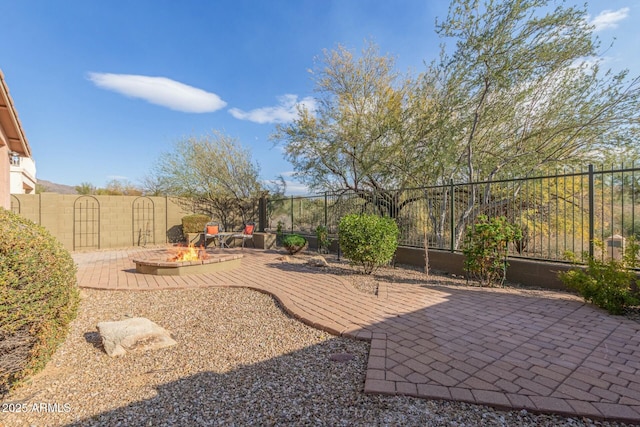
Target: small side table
x,y
222,237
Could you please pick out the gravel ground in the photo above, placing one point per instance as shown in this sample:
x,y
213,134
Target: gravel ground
x,y
239,361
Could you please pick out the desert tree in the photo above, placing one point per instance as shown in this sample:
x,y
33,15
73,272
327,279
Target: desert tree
x,y
85,188
351,142
153,185
523,91
517,89
212,174
119,187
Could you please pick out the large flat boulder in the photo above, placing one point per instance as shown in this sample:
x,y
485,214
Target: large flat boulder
x,y
135,334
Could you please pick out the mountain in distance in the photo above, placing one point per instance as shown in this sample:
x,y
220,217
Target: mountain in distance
x,y
52,187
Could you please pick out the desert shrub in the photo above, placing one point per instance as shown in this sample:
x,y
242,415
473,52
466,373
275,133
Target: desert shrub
x,y
38,297
485,249
322,235
293,243
607,284
194,223
368,240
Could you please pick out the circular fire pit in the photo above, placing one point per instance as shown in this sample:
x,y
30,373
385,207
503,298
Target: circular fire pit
x,y
213,263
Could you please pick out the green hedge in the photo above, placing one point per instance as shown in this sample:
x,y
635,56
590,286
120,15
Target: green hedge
x,y
368,240
194,223
38,297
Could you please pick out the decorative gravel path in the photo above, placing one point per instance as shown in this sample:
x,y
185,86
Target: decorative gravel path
x,y
241,360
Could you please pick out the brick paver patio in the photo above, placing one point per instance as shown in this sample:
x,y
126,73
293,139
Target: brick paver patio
x,y
484,346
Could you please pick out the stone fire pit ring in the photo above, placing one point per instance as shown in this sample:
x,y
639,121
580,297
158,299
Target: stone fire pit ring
x,y
214,263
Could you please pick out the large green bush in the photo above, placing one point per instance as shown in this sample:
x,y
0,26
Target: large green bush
x,y
194,223
368,240
607,284
38,297
485,249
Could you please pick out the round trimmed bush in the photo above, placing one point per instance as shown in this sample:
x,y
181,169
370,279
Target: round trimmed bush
x,y
293,243
368,240
38,297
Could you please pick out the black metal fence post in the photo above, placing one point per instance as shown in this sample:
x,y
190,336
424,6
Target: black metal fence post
x,y
452,245
291,213
591,212
326,208
262,213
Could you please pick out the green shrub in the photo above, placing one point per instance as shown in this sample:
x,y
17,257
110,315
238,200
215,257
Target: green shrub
x,y
368,240
293,243
485,249
38,297
194,223
322,235
607,284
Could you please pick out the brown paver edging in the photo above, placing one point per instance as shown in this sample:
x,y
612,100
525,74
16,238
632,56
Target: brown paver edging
x,y
514,350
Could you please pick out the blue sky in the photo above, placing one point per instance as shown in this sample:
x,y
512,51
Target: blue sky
x,y
103,87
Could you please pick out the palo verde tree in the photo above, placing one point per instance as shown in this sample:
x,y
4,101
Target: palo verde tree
x,y
523,91
211,174
351,140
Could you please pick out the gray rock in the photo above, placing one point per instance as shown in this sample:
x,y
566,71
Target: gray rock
x,y
341,357
135,334
317,261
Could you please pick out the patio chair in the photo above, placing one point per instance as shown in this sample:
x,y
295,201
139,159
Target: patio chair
x,y
211,231
246,234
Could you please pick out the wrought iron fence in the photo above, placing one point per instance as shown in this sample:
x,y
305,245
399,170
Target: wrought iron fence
x,y
566,211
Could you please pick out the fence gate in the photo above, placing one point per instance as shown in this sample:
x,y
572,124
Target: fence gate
x,y
15,204
86,223
143,221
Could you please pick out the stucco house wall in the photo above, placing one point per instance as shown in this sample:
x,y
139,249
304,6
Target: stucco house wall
x,y
22,175
5,183
12,140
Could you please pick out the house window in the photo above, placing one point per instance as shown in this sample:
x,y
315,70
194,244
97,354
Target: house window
x,y
14,159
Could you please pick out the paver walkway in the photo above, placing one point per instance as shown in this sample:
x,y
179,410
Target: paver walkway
x,y
504,349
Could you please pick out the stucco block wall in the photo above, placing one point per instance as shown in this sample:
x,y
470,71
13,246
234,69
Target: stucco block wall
x,y
53,216
107,221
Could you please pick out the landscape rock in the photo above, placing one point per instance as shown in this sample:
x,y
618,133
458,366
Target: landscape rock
x,y
317,261
134,334
341,357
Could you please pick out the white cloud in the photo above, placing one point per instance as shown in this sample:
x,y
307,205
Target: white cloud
x,y
293,187
609,19
296,189
160,91
286,110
